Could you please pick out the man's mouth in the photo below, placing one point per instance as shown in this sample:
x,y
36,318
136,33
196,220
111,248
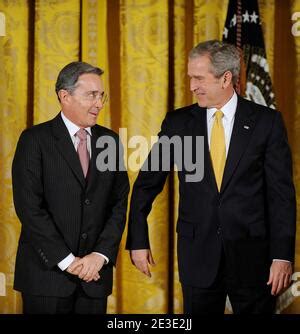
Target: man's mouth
x,y
94,114
198,93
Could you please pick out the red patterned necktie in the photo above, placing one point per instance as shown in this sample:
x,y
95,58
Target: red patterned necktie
x,y
82,151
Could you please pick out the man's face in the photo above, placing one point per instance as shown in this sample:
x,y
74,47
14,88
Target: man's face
x,y
83,105
208,89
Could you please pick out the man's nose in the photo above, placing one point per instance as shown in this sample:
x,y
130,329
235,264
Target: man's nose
x,y
99,103
193,84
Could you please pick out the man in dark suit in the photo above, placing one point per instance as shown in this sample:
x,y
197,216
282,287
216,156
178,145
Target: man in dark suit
x,y
236,226
72,214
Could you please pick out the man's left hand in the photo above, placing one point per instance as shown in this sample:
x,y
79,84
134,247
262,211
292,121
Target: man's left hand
x,y
91,265
280,276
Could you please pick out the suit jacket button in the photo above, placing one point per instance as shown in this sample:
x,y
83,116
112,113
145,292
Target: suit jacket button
x,y
84,236
87,201
219,231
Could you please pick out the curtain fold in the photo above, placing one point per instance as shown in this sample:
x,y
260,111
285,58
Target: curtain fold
x,y
13,119
94,44
144,100
56,43
293,123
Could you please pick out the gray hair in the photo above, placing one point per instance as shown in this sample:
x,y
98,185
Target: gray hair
x,y
223,56
68,76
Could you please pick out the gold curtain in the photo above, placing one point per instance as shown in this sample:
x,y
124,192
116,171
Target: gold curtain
x,y
13,114
142,45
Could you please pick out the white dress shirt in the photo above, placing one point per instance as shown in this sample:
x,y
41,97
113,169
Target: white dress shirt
x,y
73,128
229,110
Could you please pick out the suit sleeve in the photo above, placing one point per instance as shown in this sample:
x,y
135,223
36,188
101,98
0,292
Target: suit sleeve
x,y
281,202
148,185
38,227
110,238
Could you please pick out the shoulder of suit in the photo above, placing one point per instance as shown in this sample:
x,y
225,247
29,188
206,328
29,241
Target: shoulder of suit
x,y
264,111
38,129
45,129
104,131
178,118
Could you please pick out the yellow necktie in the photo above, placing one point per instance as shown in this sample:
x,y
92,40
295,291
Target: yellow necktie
x,y
218,148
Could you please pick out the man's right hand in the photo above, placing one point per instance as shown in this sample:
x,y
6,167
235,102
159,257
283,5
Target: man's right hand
x,y
141,258
73,268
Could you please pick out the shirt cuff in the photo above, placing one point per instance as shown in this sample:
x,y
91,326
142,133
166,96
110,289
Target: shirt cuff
x,y
105,257
281,260
64,264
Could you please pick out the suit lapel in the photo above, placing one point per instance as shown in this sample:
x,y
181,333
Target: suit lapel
x,y
241,133
65,145
201,129
93,168
96,176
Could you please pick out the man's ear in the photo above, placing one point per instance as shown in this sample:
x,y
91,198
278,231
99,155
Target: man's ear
x,y
63,95
227,79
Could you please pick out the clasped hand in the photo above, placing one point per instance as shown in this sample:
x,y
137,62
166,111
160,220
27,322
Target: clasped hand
x,y
87,268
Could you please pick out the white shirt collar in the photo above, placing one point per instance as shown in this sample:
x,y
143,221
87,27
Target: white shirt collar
x,y
73,128
228,109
